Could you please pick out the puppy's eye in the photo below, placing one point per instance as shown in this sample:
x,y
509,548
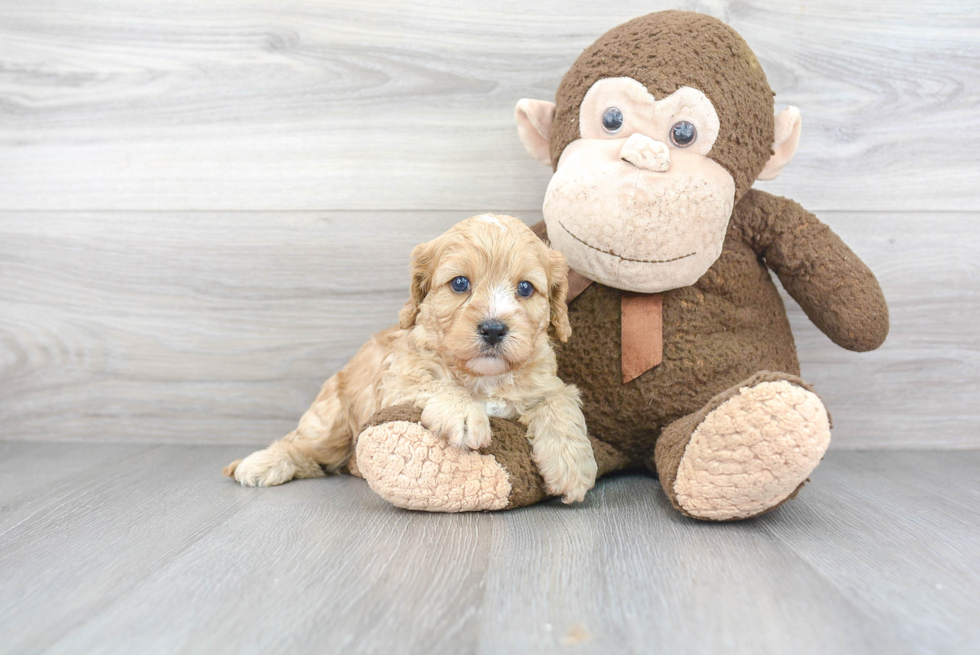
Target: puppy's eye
x,y
683,134
460,284
612,120
525,289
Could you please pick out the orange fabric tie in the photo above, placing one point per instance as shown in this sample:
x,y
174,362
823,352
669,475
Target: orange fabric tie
x,y
642,332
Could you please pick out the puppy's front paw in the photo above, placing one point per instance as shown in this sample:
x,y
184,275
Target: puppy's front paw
x,y
567,465
572,491
263,468
465,425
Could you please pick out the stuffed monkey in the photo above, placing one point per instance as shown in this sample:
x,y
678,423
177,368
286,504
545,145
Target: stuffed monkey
x,y
680,342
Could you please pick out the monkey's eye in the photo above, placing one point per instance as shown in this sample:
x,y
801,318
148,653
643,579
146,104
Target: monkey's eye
x,y
460,284
525,289
612,120
683,134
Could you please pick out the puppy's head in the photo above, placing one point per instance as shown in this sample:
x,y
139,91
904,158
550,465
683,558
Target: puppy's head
x,y
487,292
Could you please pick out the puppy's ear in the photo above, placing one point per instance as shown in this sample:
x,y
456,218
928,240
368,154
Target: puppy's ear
x,y
422,260
557,295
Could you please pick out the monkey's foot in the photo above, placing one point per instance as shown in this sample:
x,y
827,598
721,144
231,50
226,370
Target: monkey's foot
x,y
412,467
748,451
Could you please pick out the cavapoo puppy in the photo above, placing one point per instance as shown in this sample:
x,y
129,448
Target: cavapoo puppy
x,y
472,342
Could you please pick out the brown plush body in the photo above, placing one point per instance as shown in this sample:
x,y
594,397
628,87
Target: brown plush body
x,y
659,131
728,326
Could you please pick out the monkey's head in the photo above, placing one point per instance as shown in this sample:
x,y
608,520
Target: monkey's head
x,y
660,127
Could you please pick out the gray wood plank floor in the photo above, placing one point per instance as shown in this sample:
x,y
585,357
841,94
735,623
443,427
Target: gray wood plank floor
x,y
145,549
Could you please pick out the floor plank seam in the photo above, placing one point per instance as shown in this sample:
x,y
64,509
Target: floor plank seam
x,y
72,494
151,572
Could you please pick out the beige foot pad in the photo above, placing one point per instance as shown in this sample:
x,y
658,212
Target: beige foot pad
x,y
411,467
752,451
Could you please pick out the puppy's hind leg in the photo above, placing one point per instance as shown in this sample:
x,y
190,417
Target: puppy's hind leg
x,y
320,444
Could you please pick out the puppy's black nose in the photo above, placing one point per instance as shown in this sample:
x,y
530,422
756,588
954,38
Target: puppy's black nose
x,y
492,331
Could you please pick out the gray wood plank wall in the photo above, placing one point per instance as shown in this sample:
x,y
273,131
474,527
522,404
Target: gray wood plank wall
x,y
205,208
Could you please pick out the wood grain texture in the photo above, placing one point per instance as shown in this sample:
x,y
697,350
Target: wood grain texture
x,y
332,105
158,554
220,327
899,513
47,465
194,327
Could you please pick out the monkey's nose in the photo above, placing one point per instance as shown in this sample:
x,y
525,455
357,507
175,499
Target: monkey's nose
x,y
646,153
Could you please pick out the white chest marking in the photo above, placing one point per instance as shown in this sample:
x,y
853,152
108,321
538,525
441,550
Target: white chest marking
x,y
497,407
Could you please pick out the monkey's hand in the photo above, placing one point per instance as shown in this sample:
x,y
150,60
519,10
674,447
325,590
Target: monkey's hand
x,y
838,292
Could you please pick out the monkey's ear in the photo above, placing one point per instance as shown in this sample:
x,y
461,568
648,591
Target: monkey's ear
x,y
788,125
557,295
421,278
534,119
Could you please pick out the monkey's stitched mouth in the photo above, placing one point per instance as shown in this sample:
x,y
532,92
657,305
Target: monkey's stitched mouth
x,y
625,259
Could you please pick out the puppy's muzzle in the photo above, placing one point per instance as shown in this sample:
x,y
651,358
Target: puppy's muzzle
x,y
492,332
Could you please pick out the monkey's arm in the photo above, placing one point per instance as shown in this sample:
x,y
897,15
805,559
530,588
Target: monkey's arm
x,y
838,292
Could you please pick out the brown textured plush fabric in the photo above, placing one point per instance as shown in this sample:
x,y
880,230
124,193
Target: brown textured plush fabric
x,y
512,450
607,458
670,49
728,326
838,292
396,413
